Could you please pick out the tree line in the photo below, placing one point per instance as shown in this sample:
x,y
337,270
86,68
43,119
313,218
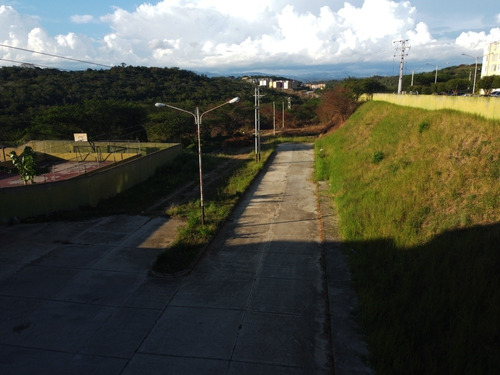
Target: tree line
x,y
453,80
119,104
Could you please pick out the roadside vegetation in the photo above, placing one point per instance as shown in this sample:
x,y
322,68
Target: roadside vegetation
x,y
418,195
194,237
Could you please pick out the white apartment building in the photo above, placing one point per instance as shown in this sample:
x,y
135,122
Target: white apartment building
x,y
491,60
279,84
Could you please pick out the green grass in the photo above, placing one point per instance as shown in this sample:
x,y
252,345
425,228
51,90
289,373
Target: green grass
x,y
295,139
193,237
418,195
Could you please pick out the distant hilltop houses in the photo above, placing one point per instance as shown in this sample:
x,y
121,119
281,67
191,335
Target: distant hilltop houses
x,y
284,84
316,86
491,60
278,84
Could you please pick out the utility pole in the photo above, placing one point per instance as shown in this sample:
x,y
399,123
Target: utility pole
x,y
274,119
403,47
282,114
475,72
257,123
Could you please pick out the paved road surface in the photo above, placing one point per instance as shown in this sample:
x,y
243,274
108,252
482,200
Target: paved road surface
x,y
77,298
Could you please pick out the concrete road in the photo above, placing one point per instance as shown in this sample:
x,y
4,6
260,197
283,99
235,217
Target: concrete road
x,y
78,298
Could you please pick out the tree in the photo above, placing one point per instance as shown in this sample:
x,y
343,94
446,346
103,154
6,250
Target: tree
x,y
338,103
457,85
354,87
489,83
25,164
371,86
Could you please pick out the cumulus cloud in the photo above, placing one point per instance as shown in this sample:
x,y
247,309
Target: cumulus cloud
x,y
14,27
25,32
217,35
212,33
475,41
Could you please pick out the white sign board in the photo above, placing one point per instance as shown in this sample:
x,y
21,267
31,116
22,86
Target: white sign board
x,y
80,137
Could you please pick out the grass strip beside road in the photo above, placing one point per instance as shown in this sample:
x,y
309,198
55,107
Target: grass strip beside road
x,y
419,204
219,202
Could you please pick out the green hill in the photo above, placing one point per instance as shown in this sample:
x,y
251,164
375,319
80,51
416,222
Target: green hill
x,y
118,103
418,195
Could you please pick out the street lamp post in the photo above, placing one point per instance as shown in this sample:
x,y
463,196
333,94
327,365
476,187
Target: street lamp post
x,y
197,119
475,73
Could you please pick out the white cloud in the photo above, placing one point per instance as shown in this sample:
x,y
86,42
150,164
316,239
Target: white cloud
x,y
248,10
15,27
213,33
477,41
82,19
25,32
220,35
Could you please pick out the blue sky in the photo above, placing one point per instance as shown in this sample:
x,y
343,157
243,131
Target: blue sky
x,y
287,37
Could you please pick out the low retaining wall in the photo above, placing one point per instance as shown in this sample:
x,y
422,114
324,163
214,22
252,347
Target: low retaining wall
x,y
488,107
85,190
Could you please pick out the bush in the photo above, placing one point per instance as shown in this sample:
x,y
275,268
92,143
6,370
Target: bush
x,y
377,157
424,125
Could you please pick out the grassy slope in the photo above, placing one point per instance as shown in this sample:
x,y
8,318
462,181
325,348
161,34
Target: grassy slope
x,y
418,194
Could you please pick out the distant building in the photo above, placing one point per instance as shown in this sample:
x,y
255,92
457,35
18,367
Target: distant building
x,y
316,86
491,60
278,84
265,82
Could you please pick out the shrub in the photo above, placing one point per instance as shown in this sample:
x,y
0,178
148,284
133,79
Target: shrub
x,y
424,125
377,157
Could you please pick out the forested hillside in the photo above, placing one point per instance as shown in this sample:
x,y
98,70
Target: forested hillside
x,y
119,103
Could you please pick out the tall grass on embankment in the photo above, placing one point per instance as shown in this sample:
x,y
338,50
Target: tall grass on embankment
x,y
418,195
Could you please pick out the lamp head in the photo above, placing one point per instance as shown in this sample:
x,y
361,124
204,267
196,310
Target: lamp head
x,y
160,105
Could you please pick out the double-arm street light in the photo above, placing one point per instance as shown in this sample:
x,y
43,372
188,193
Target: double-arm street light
x,y
197,119
475,73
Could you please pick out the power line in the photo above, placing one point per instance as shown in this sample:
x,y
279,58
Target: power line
x,y
57,56
26,64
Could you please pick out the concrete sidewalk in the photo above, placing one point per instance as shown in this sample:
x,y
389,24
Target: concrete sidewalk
x,y
78,298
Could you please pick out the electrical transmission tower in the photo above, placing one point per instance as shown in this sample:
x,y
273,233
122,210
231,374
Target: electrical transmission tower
x,y
401,47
